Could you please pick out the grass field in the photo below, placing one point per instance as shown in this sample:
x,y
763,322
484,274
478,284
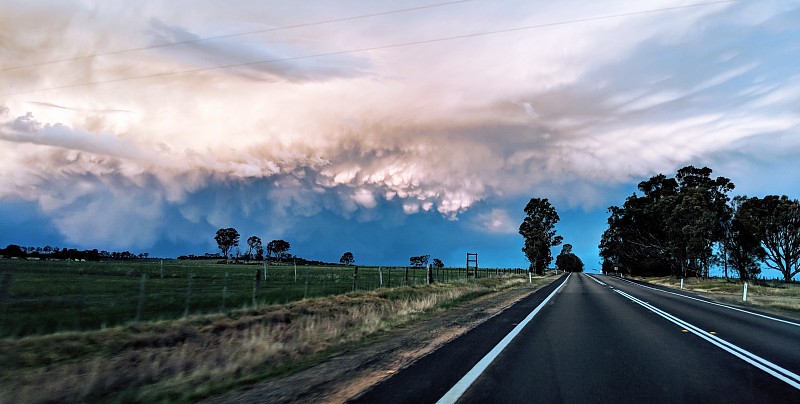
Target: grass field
x,y
42,297
186,359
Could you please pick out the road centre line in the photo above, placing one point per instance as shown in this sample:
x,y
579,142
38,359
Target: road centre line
x,y
715,303
597,280
779,372
462,385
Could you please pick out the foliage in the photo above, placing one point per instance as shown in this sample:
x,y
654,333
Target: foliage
x,y
226,239
777,223
254,244
672,228
742,246
347,258
538,230
278,249
437,263
567,261
419,261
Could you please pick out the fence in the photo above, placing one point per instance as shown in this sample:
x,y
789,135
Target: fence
x,y
40,297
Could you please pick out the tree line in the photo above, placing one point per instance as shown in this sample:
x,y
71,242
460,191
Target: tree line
x,y
56,253
686,224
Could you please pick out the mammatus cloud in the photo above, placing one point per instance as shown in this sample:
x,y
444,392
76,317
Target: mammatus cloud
x,y
564,112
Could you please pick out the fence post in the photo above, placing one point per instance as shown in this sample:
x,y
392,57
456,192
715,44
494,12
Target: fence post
x,y
142,284
225,289
389,276
355,277
380,275
305,290
256,288
430,274
5,293
162,269
188,295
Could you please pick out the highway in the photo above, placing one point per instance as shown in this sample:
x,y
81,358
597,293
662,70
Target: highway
x,y
593,338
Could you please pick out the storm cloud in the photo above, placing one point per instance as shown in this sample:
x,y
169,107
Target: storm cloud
x,y
150,146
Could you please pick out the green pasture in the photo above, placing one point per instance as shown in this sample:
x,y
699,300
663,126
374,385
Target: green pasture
x,y
42,297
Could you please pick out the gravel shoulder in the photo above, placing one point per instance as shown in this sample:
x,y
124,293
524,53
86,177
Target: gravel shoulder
x,y
346,375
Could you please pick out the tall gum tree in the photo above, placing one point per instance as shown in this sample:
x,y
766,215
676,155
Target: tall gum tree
x,y
538,231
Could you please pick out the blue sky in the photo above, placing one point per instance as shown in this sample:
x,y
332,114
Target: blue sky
x,y
337,133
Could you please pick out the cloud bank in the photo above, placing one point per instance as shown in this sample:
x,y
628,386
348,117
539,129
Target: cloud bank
x,y
167,144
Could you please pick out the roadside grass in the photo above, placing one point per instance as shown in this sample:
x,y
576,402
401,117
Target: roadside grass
x,y
202,355
44,297
763,294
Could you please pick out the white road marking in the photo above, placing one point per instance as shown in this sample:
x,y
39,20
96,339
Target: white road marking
x,y
459,388
597,280
716,304
785,375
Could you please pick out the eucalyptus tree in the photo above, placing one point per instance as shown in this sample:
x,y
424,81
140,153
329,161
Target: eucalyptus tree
x,y
539,234
778,220
227,239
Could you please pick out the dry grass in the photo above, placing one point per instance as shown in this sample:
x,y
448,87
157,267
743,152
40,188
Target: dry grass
x,y
768,295
188,359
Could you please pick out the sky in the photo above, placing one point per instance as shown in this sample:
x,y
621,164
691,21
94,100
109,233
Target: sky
x,y
385,128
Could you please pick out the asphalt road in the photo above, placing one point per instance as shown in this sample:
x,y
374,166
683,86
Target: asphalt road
x,y
604,339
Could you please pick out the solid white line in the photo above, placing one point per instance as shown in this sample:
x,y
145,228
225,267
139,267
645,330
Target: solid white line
x,y
779,372
459,388
716,304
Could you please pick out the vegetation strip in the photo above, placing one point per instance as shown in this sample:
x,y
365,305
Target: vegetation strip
x,y
188,359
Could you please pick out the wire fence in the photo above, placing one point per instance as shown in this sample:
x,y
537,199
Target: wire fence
x,y
42,297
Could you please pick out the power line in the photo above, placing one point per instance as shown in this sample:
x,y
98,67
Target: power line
x,y
373,48
260,31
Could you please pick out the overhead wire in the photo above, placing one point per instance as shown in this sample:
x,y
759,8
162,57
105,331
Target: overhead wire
x,y
379,47
238,34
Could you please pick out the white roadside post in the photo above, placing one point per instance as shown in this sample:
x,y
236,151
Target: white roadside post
x,y
681,283
744,293
380,274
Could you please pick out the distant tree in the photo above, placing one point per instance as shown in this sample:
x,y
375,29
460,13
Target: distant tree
x,y
437,263
778,219
567,261
226,239
419,261
13,250
278,249
260,253
254,243
538,230
347,258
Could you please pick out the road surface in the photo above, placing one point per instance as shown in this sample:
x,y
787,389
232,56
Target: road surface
x,y
590,338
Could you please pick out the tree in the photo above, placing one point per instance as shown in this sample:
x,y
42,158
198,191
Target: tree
x,y
538,230
567,261
672,227
437,263
347,258
278,248
778,219
742,246
254,244
419,261
226,239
